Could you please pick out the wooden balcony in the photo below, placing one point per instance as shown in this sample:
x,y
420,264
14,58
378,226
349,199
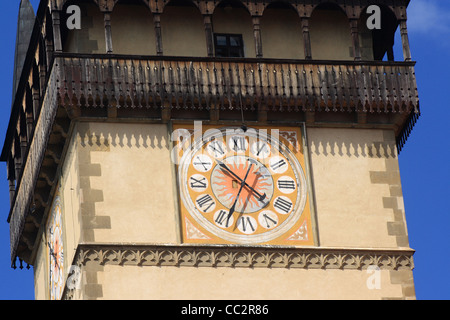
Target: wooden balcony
x,y
368,94
257,85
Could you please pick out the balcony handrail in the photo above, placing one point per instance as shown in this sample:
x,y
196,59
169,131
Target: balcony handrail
x,y
229,59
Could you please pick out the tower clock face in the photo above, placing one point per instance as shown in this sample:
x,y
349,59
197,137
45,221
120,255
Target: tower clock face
x,y
55,251
242,187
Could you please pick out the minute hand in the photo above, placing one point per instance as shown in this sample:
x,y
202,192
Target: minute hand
x,y
224,166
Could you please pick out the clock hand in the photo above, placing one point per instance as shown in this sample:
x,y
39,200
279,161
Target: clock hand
x,y
52,253
50,247
239,193
224,166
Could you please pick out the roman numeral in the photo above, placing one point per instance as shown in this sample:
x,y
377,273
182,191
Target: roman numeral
x,y
245,225
198,184
205,202
239,144
204,164
278,164
283,205
264,146
222,219
216,147
270,223
286,184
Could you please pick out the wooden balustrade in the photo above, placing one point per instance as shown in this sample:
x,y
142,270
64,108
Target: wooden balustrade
x,y
277,85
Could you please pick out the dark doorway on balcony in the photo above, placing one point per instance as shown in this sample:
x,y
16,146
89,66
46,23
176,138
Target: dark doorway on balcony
x,y
382,39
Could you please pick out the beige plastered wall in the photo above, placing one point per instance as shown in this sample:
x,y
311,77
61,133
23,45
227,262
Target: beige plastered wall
x,y
118,186
357,185
128,183
69,186
132,29
330,36
127,194
243,283
236,21
41,272
91,37
183,32
281,34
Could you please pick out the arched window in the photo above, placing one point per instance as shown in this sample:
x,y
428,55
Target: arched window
x,y
183,32
132,29
233,30
91,37
281,32
330,33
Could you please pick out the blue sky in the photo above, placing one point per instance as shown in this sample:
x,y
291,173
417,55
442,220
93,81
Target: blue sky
x,y
424,162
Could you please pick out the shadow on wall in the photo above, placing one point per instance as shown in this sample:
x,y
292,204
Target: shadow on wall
x,y
354,146
333,145
128,137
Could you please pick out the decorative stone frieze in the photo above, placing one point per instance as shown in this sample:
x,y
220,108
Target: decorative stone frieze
x,y
244,257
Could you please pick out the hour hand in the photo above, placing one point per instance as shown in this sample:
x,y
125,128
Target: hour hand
x,y
52,253
224,166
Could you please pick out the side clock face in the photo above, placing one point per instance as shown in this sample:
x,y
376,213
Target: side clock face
x,y
55,251
243,187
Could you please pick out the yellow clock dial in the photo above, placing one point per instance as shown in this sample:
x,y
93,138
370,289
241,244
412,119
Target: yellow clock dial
x,y
241,187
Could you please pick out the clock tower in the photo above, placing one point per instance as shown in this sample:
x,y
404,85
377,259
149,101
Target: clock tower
x,y
203,149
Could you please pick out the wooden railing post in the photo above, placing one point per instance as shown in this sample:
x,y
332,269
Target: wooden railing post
x,y
257,36
36,100
57,42
405,40
158,34
355,39
306,37
108,32
11,178
209,33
